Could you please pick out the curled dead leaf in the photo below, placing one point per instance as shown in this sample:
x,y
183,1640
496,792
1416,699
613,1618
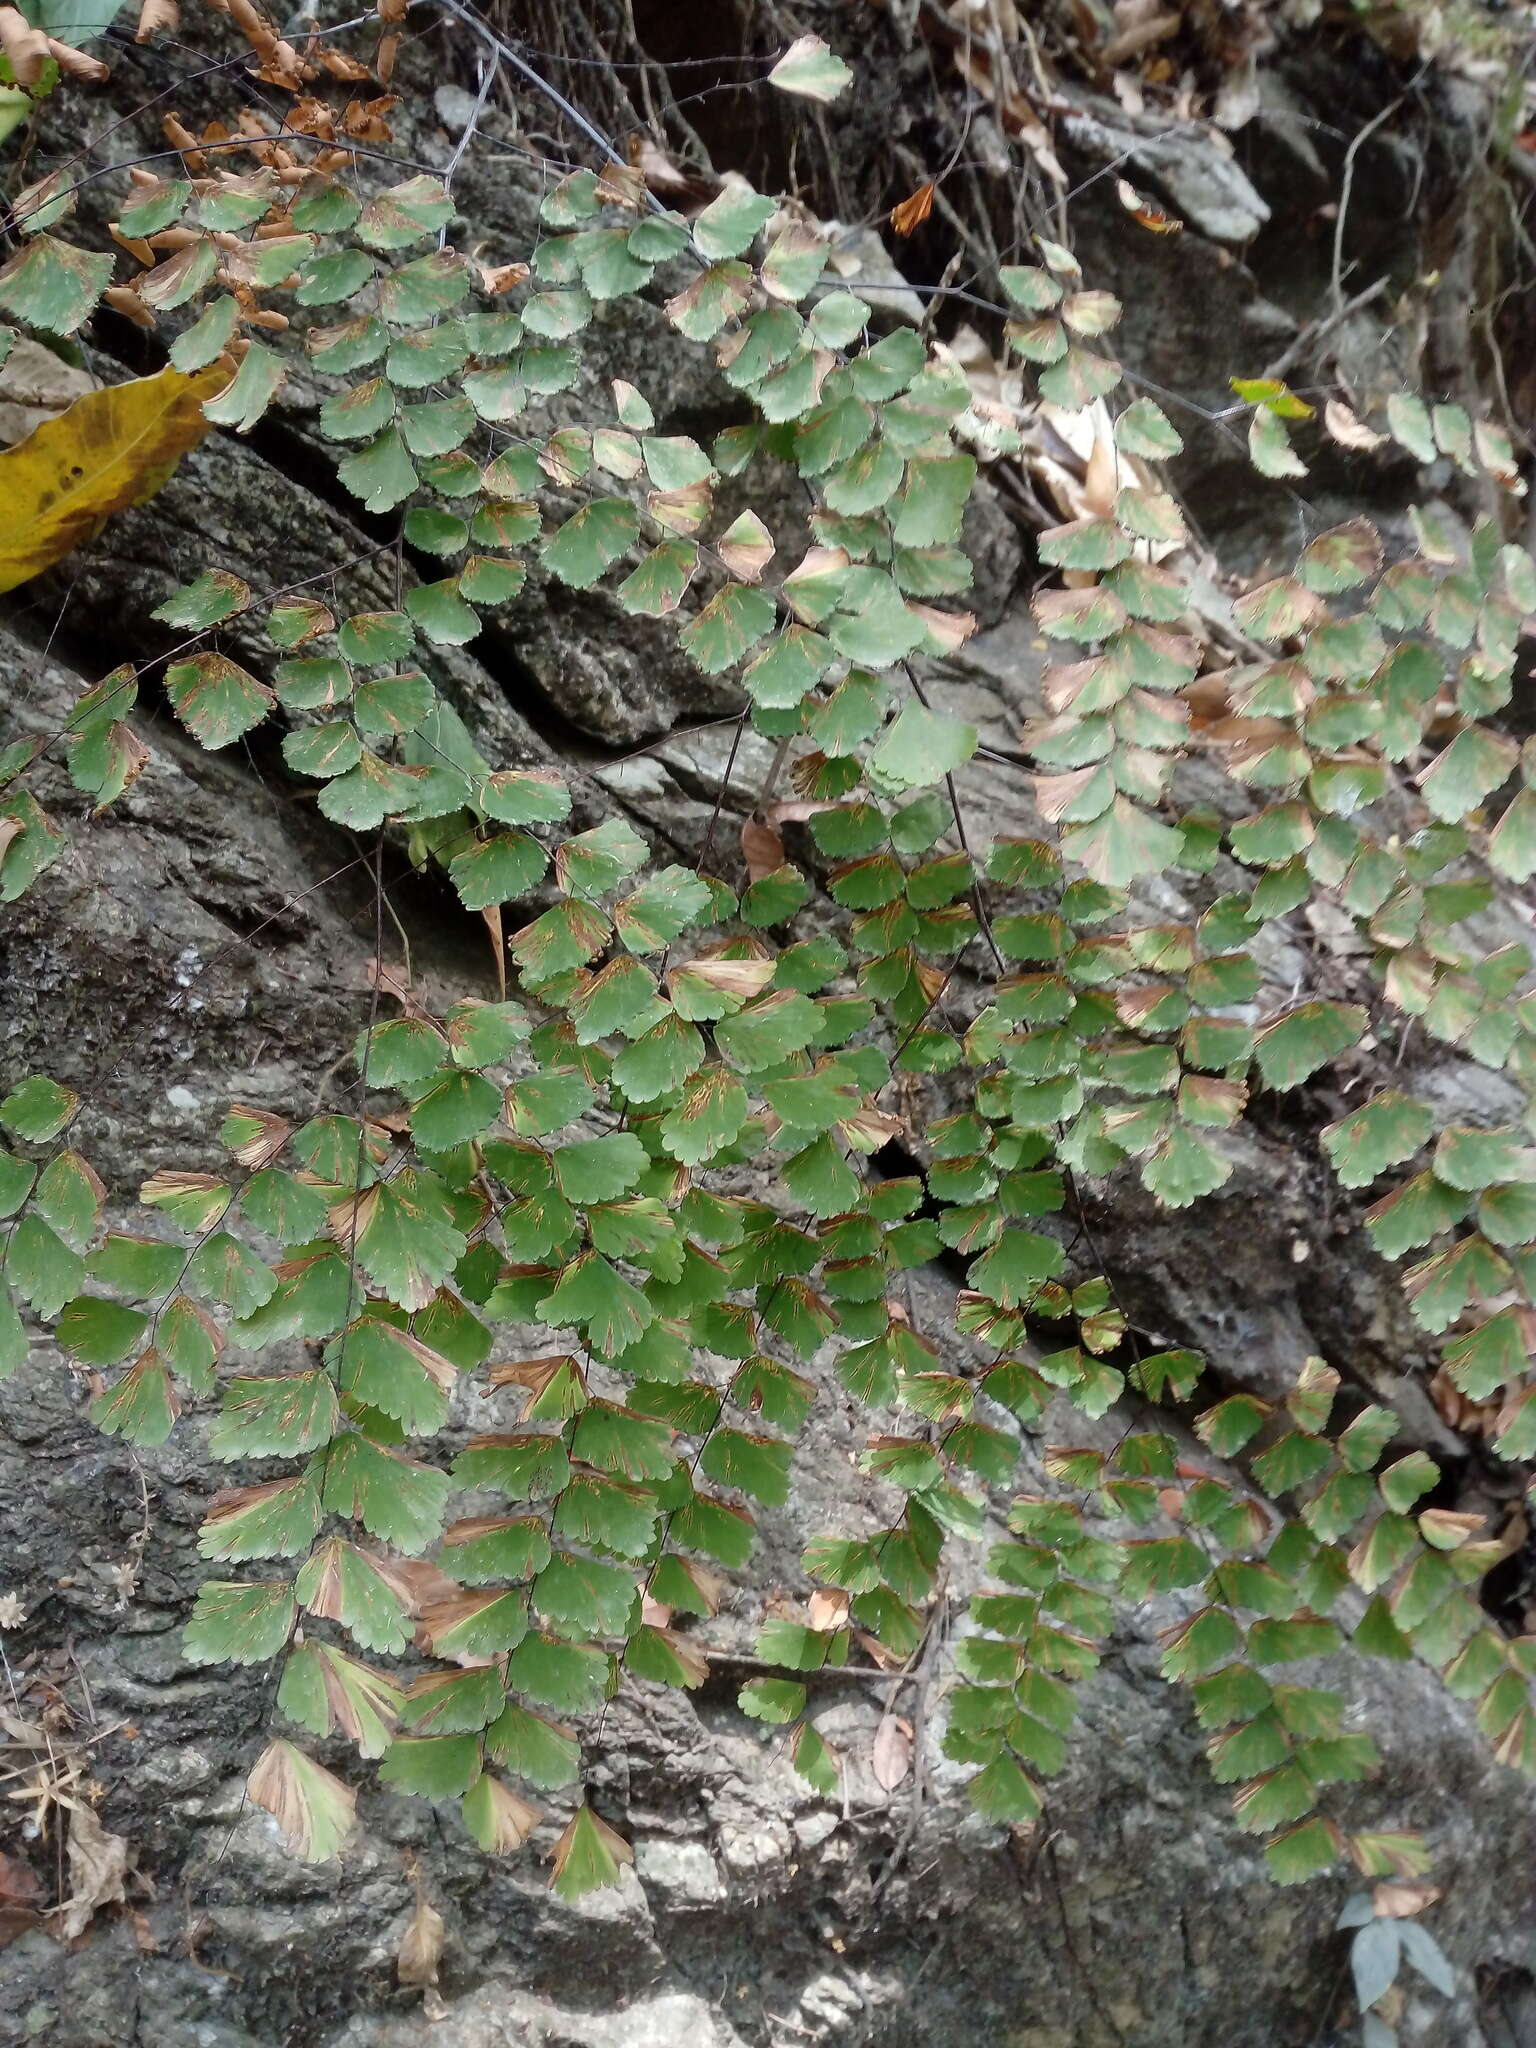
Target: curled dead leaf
x,y
763,849
910,213
98,1864
155,17
948,631
1397,1898
869,1129
25,48
882,1658
421,1945
892,1755
827,1609
1349,430
501,277
1146,212
667,178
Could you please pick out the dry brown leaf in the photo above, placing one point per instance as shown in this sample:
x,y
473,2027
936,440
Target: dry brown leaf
x,y
393,981
311,116
501,277
621,185
181,138
667,178
137,247
418,1583
948,630
98,1863
1348,429
910,213
25,47
1101,484
763,849
350,70
156,16
871,1128
892,1756
77,63
127,302
882,1658
421,1945
364,120
1399,1898
828,1608
21,1898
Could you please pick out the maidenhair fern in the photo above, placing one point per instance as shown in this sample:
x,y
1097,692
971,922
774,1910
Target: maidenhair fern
x,y
567,1158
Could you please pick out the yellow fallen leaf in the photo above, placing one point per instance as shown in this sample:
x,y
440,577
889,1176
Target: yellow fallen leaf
x,y
109,449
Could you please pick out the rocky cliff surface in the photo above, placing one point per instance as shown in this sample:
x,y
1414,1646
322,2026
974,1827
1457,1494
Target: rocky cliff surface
x,y
210,936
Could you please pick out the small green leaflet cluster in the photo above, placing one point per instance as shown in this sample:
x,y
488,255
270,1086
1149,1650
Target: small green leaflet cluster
x,y
570,1163
1276,1607
1478,448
